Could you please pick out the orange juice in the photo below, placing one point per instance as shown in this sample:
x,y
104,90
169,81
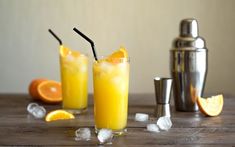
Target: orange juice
x,y
74,76
111,80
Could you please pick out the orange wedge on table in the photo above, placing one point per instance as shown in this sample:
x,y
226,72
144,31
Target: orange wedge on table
x,y
211,106
58,115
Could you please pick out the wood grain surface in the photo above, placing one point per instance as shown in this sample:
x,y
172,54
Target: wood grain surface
x,y
17,127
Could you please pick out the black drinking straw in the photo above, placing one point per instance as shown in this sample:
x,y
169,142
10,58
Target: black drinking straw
x,y
89,40
56,37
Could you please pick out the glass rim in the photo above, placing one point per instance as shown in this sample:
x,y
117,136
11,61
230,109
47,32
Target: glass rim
x,y
120,60
81,55
162,78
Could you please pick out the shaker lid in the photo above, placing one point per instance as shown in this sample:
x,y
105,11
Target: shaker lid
x,y
189,37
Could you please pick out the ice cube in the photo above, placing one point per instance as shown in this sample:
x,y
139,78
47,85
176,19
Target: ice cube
x,y
39,112
106,67
83,134
70,57
122,67
117,79
83,68
105,136
153,128
164,123
31,107
141,117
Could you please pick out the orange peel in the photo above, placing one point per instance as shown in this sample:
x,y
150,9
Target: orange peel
x,y
211,106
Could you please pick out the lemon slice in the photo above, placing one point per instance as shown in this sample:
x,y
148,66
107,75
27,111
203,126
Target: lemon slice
x,y
58,115
211,106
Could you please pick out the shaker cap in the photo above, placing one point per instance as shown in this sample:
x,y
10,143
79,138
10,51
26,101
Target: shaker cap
x,y
189,37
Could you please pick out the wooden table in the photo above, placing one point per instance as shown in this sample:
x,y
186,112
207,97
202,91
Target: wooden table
x,y
189,129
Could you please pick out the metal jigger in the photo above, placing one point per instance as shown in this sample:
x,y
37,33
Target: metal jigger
x,y
163,93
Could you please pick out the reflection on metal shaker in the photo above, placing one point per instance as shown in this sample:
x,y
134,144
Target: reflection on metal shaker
x,y
188,66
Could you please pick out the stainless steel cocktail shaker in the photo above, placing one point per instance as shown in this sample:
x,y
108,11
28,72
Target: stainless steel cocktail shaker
x,y
188,66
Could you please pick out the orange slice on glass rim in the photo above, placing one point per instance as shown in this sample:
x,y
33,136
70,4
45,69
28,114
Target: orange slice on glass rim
x,y
58,115
117,55
120,53
211,106
50,91
64,51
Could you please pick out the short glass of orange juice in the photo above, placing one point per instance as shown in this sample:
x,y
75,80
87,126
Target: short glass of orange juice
x,y
74,77
111,84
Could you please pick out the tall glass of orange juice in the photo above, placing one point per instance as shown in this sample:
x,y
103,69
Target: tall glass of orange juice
x,y
111,82
74,77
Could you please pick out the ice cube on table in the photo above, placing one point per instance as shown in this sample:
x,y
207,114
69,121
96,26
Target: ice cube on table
x,y
141,117
152,128
36,110
83,134
31,107
39,112
164,123
105,136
